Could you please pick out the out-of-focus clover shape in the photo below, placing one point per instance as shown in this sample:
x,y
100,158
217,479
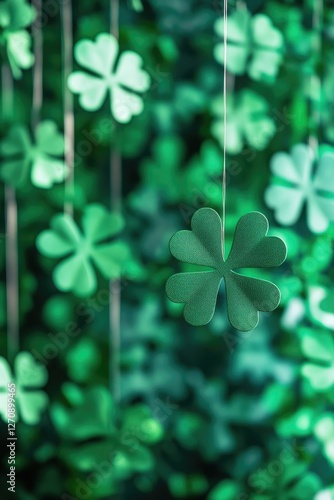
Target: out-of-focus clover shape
x,y
81,249
42,158
318,347
251,248
14,16
124,80
248,122
324,430
253,44
29,377
295,185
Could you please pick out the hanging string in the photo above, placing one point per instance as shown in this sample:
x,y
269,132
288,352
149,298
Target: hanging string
x,y
315,80
115,285
37,99
11,238
225,121
67,48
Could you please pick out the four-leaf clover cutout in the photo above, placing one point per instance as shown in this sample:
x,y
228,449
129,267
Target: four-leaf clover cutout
x,y
124,81
30,376
298,180
203,245
253,43
43,158
81,249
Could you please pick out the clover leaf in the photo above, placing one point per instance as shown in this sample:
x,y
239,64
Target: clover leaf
x,y
251,248
15,15
248,121
324,431
95,434
253,43
80,249
295,185
41,158
29,377
318,348
124,81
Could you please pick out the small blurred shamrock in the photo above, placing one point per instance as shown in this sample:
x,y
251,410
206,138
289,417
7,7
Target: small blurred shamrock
x,y
95,438
163,170
293,186
65,239
318,348
14,16
29,378
123,82
251,248
248,121
324,431
159,224
41,158
202,177
294,481
253,43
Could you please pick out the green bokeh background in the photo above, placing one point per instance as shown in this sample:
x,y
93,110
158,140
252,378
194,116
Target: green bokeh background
x,y
205,412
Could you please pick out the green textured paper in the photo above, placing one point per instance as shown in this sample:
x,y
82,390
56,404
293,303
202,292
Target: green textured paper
x,y
251,248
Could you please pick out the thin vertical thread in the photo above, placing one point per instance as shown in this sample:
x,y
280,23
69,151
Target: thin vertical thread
x,y
12,266
38,66
315,80
67,48
225,123
115,285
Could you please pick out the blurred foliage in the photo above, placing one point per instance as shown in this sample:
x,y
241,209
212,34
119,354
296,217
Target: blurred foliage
x,y
209,411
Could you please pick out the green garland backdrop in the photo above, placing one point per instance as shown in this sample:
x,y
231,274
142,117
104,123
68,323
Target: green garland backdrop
x,y
112,133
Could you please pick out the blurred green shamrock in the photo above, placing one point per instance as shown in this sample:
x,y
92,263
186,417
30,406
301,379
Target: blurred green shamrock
x,y
41,158
96,436
15,15
123,82
294,482
294,186
65,239
202,177
29,378
253,43
163,170
318,348
248,121
324,431
203,246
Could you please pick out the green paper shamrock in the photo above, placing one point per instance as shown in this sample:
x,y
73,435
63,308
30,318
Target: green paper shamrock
x,y
29,378
253,43
43,158
318,347
65,239
15,15
203,246
294,185
248,121
124,81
